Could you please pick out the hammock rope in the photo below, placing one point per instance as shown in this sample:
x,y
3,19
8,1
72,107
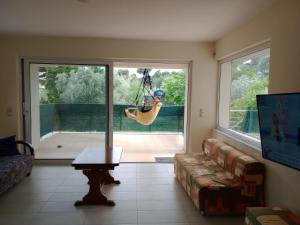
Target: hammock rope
x,y
144,116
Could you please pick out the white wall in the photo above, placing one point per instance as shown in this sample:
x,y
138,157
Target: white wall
x,y
204,71
280,24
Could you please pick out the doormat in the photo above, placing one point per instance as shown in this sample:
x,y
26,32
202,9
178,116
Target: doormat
x,y
164,159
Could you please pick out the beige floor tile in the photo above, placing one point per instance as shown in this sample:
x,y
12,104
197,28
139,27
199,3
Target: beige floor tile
x,y
73,188
158,187
153,174
64,218
121,205
156,195
124,175
118,170
211,220
16,219
120,188
164,223
59,207
124,165
66,196
156,180
75,180
112,217
19,207
126,181
8,198
148,195
161,216
36,188
122,195
152,205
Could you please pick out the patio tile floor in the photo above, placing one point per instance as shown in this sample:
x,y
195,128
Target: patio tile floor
x,y
137,147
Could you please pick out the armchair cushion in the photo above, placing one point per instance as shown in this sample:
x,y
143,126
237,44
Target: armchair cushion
x,y
13,169
8,146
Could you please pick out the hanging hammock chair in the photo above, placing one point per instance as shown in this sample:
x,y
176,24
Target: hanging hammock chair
x,y
145,116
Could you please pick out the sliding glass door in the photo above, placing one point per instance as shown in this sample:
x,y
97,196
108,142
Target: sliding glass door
x,y
67,106
160,140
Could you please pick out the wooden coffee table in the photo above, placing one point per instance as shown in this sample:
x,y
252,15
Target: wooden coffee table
x,y
96,163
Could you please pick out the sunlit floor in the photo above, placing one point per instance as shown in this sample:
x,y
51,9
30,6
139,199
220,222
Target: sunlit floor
x,y
137,147
148,194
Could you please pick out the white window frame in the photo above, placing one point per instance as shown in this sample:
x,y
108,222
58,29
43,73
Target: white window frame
x,y
25,105
26,91
240,137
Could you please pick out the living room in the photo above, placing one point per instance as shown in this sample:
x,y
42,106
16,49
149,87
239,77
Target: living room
x,y
149,192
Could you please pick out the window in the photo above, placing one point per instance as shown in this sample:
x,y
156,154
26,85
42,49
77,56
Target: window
x,y
241,79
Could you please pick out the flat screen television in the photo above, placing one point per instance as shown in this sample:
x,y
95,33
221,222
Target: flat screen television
x,y
279,123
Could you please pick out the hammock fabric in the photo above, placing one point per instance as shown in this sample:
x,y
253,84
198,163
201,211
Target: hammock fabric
x,y
144,117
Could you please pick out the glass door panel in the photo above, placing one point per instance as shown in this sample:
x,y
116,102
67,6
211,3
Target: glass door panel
x,y
68,108
165,136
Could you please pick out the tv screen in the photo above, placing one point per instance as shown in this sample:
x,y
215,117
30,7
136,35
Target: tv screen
x,y
279,123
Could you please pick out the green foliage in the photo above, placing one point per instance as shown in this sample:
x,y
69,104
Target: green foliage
x,y
44,96
72,84
158,77
82,86
174,87
86,84
248,78
125,87
248,100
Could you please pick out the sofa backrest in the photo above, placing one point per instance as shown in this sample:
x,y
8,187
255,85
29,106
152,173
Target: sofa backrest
x,y
248,170
231,159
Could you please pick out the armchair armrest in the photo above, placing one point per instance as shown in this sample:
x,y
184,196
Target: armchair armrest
x,y
26,144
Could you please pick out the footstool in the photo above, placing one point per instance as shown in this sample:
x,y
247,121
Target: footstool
x,y
269,215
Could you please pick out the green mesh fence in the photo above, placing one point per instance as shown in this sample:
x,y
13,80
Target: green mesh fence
x,y
91,118
245,121
47,118
80,117
250,122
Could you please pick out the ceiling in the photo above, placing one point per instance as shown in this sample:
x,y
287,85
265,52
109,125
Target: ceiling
x,y
172,20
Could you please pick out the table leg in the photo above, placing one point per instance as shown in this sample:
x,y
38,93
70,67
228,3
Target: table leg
x,y
109,179
95,197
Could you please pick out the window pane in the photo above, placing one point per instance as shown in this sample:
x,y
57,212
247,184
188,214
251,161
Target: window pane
x,y
70,101
244,78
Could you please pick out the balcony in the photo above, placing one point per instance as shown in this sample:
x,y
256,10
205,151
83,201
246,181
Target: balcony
x,y
66,129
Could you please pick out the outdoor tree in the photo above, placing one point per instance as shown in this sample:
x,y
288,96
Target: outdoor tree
x,y
125,87
48,77
71,84
82,86
158,78
174,88
86,84
249,78
248,100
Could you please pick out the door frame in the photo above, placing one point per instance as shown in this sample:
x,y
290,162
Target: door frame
x,y
26,91
188,67
25,81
